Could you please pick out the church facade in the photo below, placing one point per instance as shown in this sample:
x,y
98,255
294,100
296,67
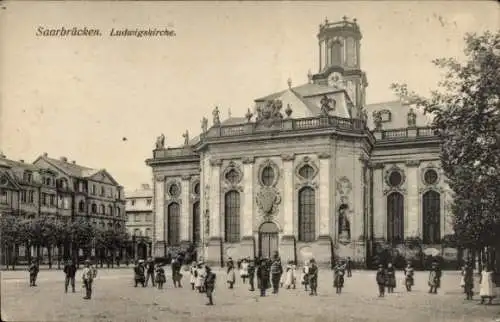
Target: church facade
x,y
312,172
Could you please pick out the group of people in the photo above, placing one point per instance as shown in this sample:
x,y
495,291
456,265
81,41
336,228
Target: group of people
x,y
486,283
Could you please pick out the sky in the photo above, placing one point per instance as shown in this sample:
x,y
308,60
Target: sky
x,y
79,96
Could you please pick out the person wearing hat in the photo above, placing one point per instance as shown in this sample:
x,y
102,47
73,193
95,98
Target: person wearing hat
x,y
468,281
244,269
313,277
176,271
150,271
89,273
33,269
434,278
231,275
193,274
380,278
209,284
390,275
251,274
263,276
160,276
276,273
305,274
200,277
338,280
69,272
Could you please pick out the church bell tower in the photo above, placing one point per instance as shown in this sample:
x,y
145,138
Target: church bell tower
x,y
339,59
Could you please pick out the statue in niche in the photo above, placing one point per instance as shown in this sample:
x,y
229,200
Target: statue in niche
x,y
344,224
412,118
186,138
160,142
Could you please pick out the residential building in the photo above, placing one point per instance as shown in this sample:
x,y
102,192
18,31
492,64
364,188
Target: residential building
x,y
312,172
139,213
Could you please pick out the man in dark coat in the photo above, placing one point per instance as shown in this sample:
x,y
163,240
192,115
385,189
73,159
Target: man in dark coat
x,y
139,274
348,266
70,272
34,269
276,272
150,268
251,275
263,276
313,277
176,271
209,284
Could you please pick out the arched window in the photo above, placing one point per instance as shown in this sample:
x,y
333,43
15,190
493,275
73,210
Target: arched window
x,y
307,213
196,222
395,217
103,209
148,232
268,176
110,210
93,208
117,211
232,217
137,232
431,213
81,206
173,224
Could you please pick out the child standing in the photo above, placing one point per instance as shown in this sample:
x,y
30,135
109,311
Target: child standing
x,y
160,277
381,281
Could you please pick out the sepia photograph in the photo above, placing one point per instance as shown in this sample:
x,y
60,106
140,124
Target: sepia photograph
x,y
250,161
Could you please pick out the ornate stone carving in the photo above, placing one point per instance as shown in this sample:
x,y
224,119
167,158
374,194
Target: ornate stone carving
x,y
324,155
204,125
160,142
249,116
430,175
228,188
400,190
413,163
288,157
327,105
377,120
344,186
186,177
195,195
288,111
270,112
186,138
173,190
248,160
276,170
344,226
309,183
306,161
159,178
394,177
377,165
216,162
268,200
216,116
232,166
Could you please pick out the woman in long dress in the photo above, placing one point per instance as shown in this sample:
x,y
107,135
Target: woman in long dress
x,y
244,270
486,286
305,275
231,275
290,272
193,274
200,278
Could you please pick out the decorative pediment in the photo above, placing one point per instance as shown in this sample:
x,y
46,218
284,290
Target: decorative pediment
x,y
268,200
275,169
7,182
104,177
269,112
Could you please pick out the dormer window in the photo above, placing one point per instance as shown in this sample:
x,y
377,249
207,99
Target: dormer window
x,y
28,176
94,189
103,191
385,116
48,181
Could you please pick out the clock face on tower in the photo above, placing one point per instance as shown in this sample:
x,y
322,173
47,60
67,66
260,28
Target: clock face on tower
x,y
335,79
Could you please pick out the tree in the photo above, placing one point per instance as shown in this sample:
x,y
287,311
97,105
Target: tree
x,y
82,236
466,110
11,236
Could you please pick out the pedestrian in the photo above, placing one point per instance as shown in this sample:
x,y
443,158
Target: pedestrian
x,y
160,276
251,275
409,277
305,275
313,277
290,273
276,272
486,285
176,272
209,284
200,278
69,272
33,270
380,278
348,267
468,281
338,281
89,273
390,275
139,277
231,275
244,270
193,274
263,276
150,268
434,278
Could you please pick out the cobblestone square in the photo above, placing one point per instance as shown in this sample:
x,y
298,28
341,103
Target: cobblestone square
x,y
115,299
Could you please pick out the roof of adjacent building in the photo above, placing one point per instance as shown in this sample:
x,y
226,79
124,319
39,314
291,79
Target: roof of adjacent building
x,y
398,110
70,168
302,91
143,192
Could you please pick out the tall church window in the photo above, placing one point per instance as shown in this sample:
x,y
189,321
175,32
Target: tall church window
x,y
268,176
431,205
196,222
307,212
336,49
351,52
173,223
232,216
395,217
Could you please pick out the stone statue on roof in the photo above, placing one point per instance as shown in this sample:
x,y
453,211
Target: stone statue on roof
x,y
377,120
216,116
204,125
270,111
327,104
411,118
186,138
160,142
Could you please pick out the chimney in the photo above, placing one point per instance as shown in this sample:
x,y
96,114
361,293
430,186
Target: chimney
x,y
74,162
45,154
63,159
22,161
145,186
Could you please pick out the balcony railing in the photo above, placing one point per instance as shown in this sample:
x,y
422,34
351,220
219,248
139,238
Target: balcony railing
x,y
174,153
395,134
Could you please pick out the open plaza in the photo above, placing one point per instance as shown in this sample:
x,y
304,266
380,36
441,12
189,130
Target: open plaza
x,y
116,299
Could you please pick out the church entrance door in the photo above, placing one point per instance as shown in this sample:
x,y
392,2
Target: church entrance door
x,y
268,239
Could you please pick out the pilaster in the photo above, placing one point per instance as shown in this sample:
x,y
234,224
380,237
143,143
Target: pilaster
x,y
248,204
412,227
159,209
379,213
324,194
185,209
215,229
288,194
357,216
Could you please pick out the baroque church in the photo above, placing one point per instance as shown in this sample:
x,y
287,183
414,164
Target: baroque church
x,y
312,172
